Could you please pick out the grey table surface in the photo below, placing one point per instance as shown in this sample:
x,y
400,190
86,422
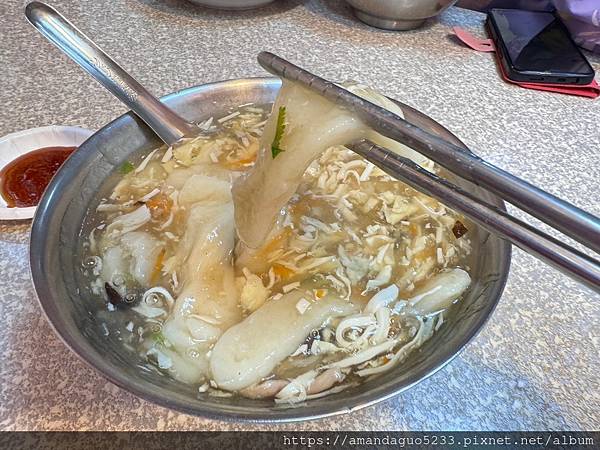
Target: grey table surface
x,y
534,366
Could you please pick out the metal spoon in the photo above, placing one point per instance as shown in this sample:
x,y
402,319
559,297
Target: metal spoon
x,y
77,46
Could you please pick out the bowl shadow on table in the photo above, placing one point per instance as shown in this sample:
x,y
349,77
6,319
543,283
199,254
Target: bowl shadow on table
x,y
183,8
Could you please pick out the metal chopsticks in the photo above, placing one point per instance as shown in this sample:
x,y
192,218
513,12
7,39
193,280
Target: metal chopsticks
x,y
568,260
572,221
565,217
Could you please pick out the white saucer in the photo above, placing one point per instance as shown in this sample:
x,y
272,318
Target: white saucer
x,y
16,144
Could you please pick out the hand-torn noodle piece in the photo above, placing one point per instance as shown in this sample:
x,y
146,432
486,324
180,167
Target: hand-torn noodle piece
x,y
261,194
250,350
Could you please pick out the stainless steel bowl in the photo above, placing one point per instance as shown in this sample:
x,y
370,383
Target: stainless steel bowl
x,y
398,14
92,171
232,4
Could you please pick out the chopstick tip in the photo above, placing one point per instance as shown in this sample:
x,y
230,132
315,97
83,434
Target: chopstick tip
x,y
265,57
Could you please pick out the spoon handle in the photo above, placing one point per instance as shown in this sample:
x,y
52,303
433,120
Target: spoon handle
x,y
62,33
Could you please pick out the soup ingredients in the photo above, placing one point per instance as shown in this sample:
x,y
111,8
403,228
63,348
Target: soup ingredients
x,y
438,293
24,180
207,304
264,259
250,350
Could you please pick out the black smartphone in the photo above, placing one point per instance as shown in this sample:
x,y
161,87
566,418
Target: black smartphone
x,y
536,47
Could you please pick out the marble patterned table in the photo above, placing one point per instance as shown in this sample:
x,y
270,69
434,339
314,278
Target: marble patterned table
x,y
534,366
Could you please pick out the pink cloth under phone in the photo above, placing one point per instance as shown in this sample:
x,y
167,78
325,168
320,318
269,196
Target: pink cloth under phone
x,y
591,90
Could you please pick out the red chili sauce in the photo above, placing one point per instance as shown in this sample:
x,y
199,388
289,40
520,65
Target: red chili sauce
x,y
23,180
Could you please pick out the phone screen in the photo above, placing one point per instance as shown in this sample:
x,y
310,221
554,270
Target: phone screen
x,y
538,42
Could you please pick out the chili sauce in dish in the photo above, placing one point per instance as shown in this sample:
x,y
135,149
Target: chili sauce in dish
x,y
23,180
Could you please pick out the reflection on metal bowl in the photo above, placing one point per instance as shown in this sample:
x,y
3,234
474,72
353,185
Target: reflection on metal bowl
x,y
63,292
231,4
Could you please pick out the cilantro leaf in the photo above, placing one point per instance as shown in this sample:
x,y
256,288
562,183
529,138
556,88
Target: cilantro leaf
x,y
126,167
159,338
275,146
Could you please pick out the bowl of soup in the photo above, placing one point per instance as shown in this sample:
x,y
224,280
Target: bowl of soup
x,y
261,270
